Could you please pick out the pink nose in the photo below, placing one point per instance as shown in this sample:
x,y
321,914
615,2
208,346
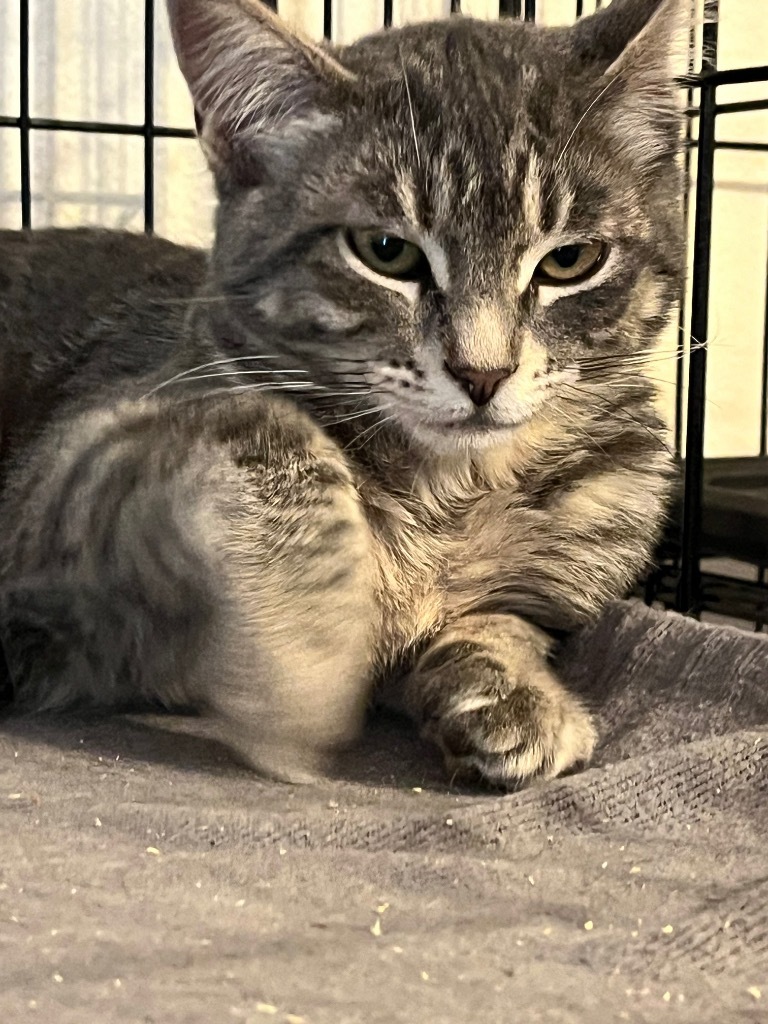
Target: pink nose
x,y
480,385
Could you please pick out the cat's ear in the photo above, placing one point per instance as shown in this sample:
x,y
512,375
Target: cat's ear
x,y
250,77
636,48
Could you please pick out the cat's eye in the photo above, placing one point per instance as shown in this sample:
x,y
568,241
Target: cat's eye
x,y
388,254
570,263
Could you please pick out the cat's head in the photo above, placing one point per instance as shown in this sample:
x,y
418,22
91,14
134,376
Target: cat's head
x,y
449,223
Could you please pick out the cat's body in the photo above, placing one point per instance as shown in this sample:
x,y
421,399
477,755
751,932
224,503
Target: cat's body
x,y
274,552
84,309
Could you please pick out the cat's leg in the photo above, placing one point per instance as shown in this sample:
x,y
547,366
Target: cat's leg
x,y
211,554
298,611
485,693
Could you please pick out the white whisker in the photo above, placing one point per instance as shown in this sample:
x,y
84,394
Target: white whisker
x,y
570,138
272,386
410,109
235,374
620,412
358,415
369,433
202,366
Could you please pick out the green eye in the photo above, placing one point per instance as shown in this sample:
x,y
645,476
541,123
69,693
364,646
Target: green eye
x,y
570,263
388,254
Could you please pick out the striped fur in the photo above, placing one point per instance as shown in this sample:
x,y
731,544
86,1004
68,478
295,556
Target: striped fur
x,y
255,488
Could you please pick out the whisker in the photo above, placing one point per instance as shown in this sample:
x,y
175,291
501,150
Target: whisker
x,y
380,425
358,415
623,384
579,123
197,300
237,376
358,392
579,428
239,373
623,413
367,435
410,108
641,358
203,366
339,394
231,389
299,385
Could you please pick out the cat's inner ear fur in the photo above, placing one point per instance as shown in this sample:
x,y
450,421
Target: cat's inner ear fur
x,y
253,81
638,47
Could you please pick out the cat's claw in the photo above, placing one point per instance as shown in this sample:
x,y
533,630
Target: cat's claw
x,y
508,740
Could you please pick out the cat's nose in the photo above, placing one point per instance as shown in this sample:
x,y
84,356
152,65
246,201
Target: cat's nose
x,y
480,385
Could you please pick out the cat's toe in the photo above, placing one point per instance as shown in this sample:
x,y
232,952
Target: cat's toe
x,y
508,739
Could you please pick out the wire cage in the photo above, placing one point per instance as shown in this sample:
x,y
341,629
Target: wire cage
x,y
714,557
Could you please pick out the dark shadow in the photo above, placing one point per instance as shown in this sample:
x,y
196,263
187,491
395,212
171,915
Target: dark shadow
x,y
177,741
390,753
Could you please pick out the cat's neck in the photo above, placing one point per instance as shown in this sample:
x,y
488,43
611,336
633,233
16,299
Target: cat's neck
x,y
388,458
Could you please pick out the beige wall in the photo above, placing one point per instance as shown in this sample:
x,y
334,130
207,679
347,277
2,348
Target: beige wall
x,y
87,63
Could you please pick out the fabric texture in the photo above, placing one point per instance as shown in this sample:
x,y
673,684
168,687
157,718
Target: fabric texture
x,y
145,877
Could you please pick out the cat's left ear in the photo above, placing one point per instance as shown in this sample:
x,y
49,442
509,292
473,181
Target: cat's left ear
x,y
252,79
638,47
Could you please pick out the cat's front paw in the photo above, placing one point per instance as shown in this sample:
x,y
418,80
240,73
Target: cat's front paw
x,y
507,736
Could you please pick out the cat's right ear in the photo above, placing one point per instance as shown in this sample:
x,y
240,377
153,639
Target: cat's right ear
x,y
634,48
254,82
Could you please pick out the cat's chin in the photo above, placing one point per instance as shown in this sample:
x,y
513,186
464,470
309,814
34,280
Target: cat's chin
x,y
461,436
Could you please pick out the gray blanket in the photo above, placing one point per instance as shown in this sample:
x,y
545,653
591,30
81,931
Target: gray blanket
x,y
144,877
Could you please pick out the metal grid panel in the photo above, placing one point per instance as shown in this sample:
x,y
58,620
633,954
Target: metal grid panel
x,y
688,589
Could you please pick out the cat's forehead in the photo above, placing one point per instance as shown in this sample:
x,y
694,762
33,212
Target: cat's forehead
x,y
450,52
463,126
485,79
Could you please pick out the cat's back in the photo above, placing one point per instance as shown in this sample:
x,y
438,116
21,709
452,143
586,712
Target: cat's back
x,y
83,308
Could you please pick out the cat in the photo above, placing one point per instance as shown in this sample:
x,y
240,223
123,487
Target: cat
x,y
392,439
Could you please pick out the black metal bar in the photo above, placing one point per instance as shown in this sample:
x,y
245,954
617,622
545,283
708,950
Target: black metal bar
x,y
530,10
387,13
681,331
455,6
579,8
738,108
24,126
149,116
689,587
97,127
327,18
161,132
739,598
132,199
733,76
747,147
764,388
731,108
510,8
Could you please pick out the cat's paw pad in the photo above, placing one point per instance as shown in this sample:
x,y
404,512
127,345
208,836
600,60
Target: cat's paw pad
x,y
506,739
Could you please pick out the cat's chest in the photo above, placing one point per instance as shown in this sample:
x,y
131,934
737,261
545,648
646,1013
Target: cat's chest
x,y
419,552
411,570
440,553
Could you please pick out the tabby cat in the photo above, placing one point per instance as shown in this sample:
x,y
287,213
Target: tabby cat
x,y
392,438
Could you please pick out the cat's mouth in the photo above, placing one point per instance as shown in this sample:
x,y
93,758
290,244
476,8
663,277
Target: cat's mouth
x,y
480,421
475,431
479,428
475,425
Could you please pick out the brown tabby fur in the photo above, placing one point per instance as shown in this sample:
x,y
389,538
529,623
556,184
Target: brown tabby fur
x,y
255,485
